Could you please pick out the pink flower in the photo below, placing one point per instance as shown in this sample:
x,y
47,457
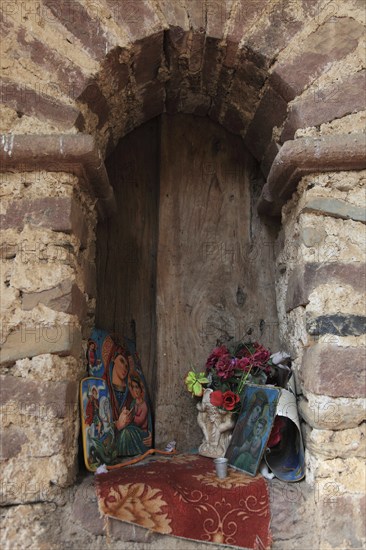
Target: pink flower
x,y
217,398
230,399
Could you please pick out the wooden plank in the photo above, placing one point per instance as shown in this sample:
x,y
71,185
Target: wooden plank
x,y
209,283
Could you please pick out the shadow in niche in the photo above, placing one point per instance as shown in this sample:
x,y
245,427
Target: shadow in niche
x,y
186,257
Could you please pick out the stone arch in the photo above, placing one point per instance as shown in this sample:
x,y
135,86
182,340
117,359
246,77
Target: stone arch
x,y
252,67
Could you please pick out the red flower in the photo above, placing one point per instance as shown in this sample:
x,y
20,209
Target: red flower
x,y
243,363
215,356
275,436
230,399
225,367
217,398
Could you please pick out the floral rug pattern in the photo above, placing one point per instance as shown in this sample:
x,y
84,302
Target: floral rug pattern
x,y
183,497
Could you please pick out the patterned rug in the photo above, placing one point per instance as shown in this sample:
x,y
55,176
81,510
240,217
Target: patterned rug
x,y
181,496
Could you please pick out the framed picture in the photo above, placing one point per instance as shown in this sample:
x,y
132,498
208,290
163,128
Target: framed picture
x,y
253,427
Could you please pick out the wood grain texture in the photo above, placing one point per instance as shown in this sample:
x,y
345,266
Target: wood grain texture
x,y
214,271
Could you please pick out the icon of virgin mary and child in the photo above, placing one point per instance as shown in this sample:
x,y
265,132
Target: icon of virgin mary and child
x,y
130,410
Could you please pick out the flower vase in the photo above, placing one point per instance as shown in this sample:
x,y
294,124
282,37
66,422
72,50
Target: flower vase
x,y
217,426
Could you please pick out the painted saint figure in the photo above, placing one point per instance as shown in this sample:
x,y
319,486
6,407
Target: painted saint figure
x,y
134,431
92,416
249,452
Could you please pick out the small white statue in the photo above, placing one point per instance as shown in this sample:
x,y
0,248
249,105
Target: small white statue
x,y
217,426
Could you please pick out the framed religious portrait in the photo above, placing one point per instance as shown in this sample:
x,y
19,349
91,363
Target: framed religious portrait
x,y
115,406
253,427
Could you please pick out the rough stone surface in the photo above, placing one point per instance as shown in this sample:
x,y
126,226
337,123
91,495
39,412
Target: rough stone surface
x,y
53,398
340,443
331,413
32,339
29,526
319,49
340,325
81,24
56,213
334,371
342,518
336,208
65,297
304,279
325,104
49,367
30,102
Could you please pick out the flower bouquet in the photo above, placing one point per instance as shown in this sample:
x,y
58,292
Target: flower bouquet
x,y
228,369
229,386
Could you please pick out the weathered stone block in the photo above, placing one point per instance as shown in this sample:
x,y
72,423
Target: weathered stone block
x,y
331,413
270,154
335,371
139,19
42,479
326,104
211,64
29,340
70,78
244,16
115,69
30,525
336,208
339,325
234,120
43,400
304,279
217,14
76,19
195,59
66,297
275,31
57,213
47,368
336,443
28,101
153,100
85,508
175,14
342,521
318,50
12,440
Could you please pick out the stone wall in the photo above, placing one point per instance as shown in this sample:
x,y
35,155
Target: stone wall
x,y
320,296
47,306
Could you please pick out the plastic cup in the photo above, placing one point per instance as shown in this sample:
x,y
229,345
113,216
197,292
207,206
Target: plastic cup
x,y
221,467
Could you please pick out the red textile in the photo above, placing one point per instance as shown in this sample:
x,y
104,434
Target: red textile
x,y
181,496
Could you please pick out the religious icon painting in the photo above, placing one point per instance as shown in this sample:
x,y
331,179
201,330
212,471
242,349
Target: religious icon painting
x,y
99,349
116,362
97,423
253,427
